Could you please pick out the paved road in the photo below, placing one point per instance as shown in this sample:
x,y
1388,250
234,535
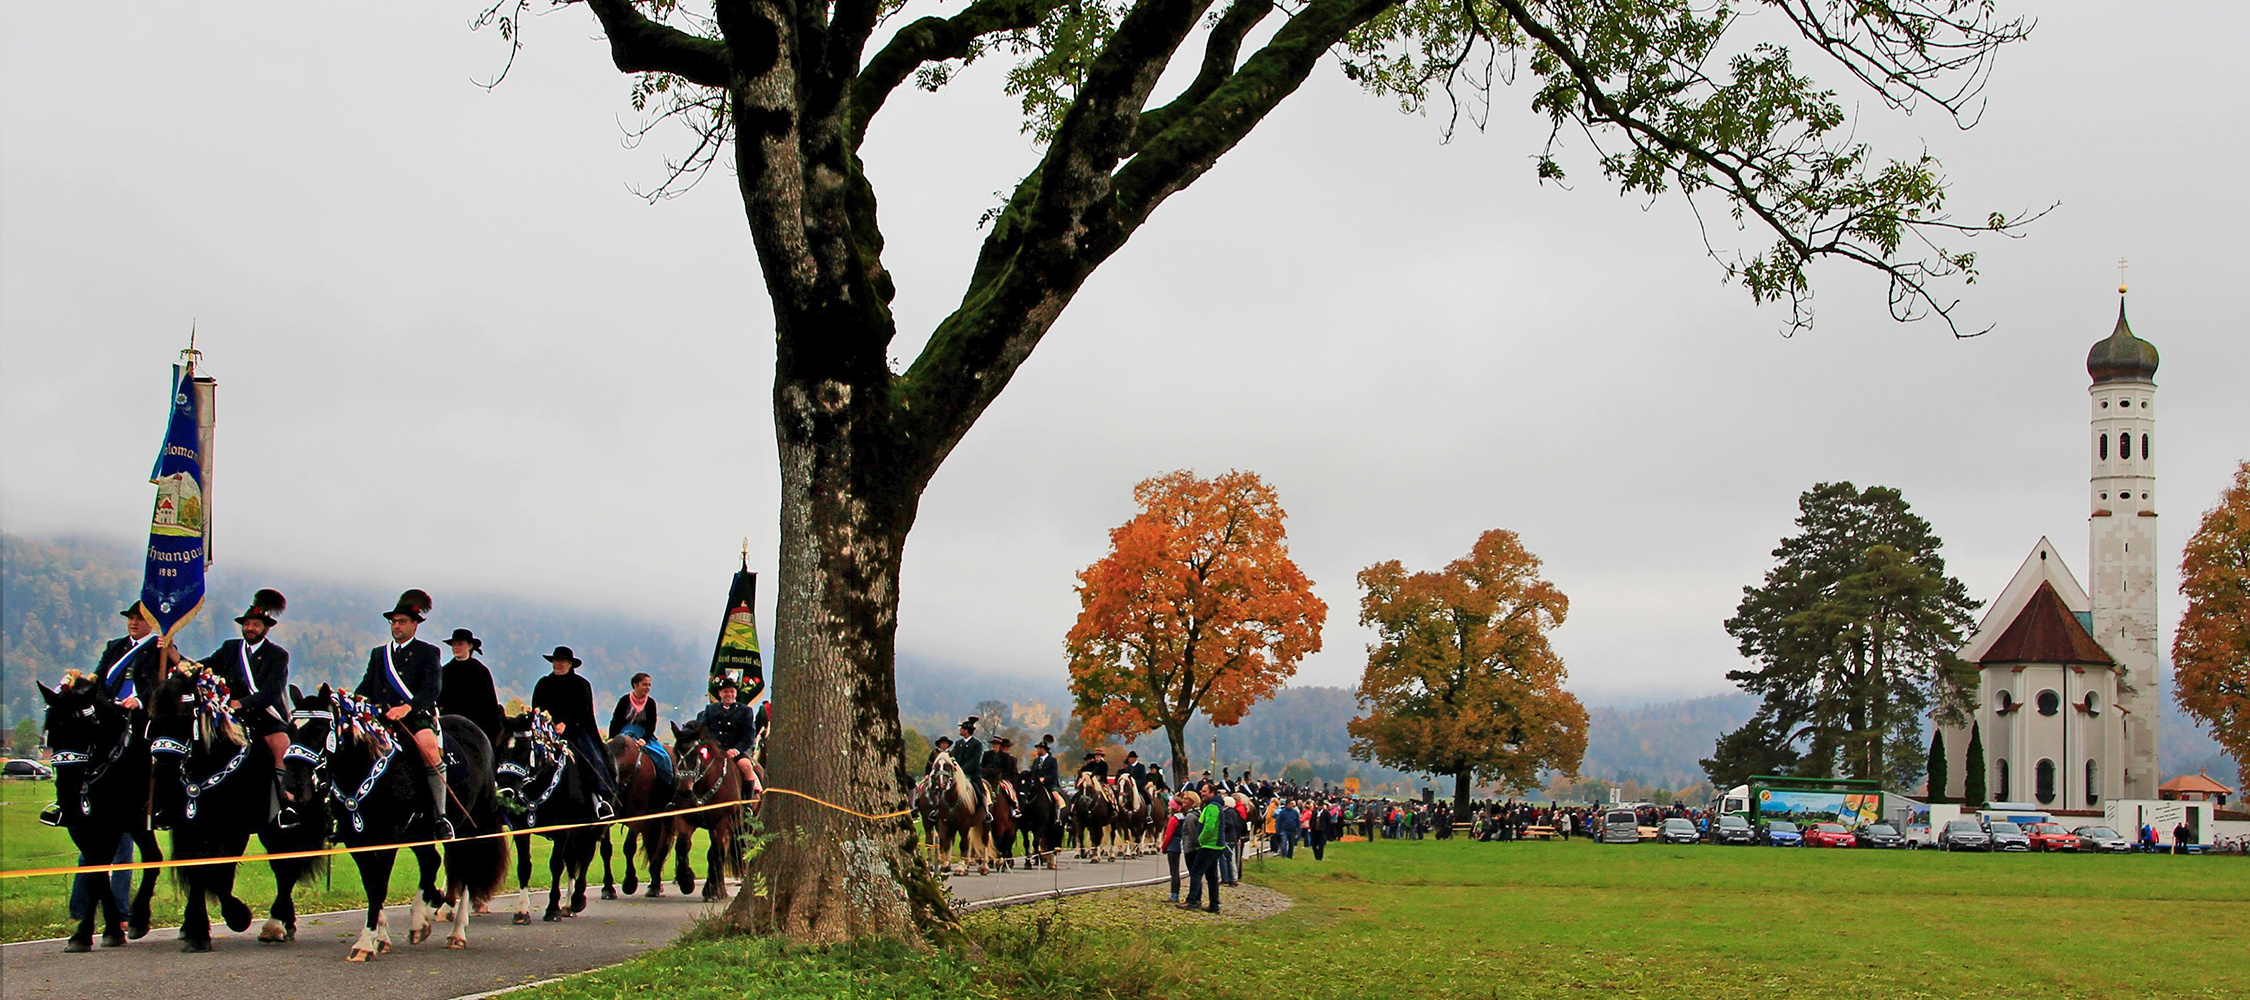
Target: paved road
x,y
500,955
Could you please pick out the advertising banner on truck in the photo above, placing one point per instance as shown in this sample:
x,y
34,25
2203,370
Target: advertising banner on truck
x,y
1806,805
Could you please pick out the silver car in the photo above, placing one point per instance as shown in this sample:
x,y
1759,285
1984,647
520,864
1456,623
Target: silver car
x,y
2008,836
2103,840
1621,826
1965,835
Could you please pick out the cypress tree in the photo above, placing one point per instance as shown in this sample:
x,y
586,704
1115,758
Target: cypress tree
x,y
1972,783
1938,777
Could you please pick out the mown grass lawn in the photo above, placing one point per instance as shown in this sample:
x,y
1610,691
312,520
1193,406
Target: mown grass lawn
x,y
1392,920
36,908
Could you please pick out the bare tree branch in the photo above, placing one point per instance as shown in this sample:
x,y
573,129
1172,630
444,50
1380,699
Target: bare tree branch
x,y
638,44
928,40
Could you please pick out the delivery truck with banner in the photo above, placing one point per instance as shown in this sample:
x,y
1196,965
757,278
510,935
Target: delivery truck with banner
x,y
1805,801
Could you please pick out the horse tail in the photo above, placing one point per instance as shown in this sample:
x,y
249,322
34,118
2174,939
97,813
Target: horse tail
x,y
480,865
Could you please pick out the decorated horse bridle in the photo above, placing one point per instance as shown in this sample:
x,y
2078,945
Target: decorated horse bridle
x,y
545,744
713,760
368,722
209,709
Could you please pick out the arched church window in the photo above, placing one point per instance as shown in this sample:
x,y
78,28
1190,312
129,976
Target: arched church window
x,y
2000,773
2043,781
2124,446
2092,796
2093,703
2049,703
2105,447
2003,702
2145,453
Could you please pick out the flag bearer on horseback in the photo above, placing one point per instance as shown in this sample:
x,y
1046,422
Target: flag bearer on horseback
x,y
569,700
969,753
256,673
404,680
130,667
732,727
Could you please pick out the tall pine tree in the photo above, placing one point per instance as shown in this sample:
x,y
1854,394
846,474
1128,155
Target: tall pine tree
x,y
1972,783
1938,778
1853,632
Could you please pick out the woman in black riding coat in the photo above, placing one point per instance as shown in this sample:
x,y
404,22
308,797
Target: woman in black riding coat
x,y
569,701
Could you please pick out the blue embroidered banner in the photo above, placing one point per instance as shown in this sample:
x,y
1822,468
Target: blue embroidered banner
x,y
172,582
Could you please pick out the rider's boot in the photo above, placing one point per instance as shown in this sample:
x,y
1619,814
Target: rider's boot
x,y
443,828
284,808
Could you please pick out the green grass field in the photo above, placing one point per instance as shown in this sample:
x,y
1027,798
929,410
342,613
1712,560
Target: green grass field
x,y
36,908
1455,919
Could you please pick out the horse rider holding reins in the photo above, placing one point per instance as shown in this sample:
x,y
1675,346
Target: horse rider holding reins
x,y
129,666
1044,770
730,725
403,681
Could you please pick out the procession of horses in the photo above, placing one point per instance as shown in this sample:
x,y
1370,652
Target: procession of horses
x,y
349,778
1099,817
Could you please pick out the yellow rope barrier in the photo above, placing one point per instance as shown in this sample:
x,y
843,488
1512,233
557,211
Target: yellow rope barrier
x,y
333,851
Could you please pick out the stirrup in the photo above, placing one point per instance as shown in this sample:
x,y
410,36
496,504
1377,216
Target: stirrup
x,y
52,815
603,810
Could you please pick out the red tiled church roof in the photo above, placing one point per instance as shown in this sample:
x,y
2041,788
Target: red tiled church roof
x,y
2046,632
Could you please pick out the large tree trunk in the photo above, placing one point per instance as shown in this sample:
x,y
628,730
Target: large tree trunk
x,y
1178,735
1461,793
828,876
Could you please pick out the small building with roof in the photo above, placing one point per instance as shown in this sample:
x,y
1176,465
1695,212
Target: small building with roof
x,y
2197,787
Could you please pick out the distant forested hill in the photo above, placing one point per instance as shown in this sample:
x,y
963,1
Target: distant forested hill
x,y
59,600
1660,745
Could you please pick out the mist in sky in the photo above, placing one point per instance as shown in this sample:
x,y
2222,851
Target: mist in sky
x,y
457,352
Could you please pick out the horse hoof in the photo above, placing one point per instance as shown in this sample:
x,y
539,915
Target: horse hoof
x,y
444,914
236,913
522,918
137,928
359,955
383,947
417,936
577,905
77,946
610,892
194,946
656,892
456,944
552,916
632,885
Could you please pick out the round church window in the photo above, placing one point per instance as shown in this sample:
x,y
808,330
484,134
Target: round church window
x,y
2049,703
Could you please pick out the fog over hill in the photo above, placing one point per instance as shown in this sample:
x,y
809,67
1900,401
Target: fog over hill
x,y
59,599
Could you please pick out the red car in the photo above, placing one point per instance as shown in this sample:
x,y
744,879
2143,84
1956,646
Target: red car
x,y
2051,837
1830,835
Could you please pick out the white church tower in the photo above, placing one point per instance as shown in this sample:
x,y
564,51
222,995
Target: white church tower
x,y
2122,536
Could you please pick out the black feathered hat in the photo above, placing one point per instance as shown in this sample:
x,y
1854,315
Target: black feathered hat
x,y
969,723
412,604
1045,742
264,605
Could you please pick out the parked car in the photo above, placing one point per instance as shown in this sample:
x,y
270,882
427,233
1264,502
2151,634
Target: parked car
x,y
1621,826
1679,831
27,769
1829,835
1964,835
2007,836
1881,835
2051,837
1732,829
2103,840
1782,833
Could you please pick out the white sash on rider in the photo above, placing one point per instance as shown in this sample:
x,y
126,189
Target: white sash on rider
x,y
125,663
249,679
397,684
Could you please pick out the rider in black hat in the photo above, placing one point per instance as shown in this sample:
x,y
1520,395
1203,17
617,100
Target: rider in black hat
x,y
732,727
1097,763
1043,769
469,692
403,678
968,752
569,700
256,673
129,666
943,747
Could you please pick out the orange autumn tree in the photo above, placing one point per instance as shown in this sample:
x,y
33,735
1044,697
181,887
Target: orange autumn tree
x,y
2211,650
1464,682
1197,607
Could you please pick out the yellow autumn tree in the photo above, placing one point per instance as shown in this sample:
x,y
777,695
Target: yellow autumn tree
x,y
1196,608
2211,649
1464,681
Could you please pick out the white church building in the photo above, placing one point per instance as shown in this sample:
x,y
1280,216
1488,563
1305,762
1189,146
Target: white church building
x,y
2066,699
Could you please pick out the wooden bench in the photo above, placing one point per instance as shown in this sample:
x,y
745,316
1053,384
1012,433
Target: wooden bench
x,y
1542,832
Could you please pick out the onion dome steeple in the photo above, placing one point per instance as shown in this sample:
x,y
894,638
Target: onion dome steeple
x,y
2121,357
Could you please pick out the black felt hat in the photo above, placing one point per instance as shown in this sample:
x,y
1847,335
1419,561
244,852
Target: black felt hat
x,y
464,635
412,604
562,653
969,723
263,606
132,610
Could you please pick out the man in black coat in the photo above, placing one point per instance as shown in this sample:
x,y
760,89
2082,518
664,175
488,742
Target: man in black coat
x,y
467,687
129,666
1045,771
256,673
404,680
730,725
968,752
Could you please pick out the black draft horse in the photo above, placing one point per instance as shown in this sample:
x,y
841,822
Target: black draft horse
x,y
304,775
1042,822
101,781
644,791
378,797
219,794
543,778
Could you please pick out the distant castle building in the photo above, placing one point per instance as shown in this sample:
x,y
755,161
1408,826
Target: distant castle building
x,y
2066,696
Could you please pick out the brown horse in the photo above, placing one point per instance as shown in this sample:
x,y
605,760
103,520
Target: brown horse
x,y
1092,810
1002,832
707,777
644,791
957,817
1131,822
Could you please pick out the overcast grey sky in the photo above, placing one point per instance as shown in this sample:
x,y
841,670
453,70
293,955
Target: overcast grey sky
x,y
457,353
